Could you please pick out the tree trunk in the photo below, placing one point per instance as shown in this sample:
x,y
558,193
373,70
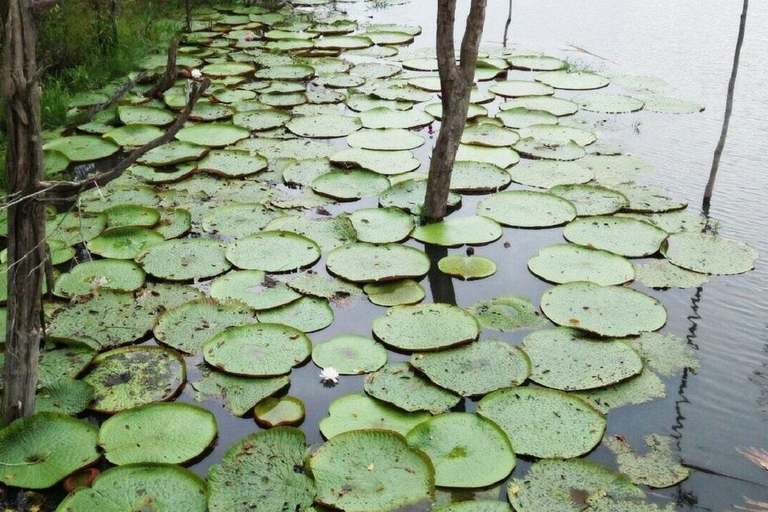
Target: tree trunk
x,y
507,24
728,110
26,215
455,86
188,15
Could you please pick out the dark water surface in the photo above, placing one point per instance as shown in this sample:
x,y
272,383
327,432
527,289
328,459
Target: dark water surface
x,y
690,44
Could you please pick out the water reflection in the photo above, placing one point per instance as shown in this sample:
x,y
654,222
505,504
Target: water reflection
x,y
440,284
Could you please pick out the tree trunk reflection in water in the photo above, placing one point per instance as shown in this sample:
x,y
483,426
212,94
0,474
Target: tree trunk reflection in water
x,y
440,284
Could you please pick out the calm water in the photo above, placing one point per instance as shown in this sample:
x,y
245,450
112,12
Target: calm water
x,y
690,44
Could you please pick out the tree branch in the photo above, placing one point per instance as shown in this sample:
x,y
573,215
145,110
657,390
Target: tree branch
x,y
470,44
446,51
86,116
54,190
169,77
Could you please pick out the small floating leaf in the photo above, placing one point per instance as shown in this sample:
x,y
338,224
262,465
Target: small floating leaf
x,y
381,225
395,293
278,412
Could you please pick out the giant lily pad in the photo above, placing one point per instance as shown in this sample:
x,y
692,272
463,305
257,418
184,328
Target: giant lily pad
x,y
141,114
181,260
62,363
262,471
83,148
65,395
171,433
471,230
577,81
395,293
41,449
189,326
485,134
367,263
232,163
426,327
467,450
257,350
637,390
388,139
73,227
665,353
215,135
239,394
517,88
400,385
503,157
253,288
709,254
324,126
327,233
375,469
619,235
308,314
382,162
273,251
134,134
350,184
475,369
238,220
174,152
409,195
359,412
543,422
278,412
526,209
556,106
382,117
90,276
478,177
608,103
657,468
506,313
663,274
591,199
350,354
566,263
536,149
381,225
603,310
548,173
128,377
536,63
555,134
521,117
327,287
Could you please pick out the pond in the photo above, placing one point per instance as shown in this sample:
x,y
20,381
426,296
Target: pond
x,y
710,413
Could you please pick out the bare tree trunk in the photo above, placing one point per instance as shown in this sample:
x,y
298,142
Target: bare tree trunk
x,y
189,15
507,24
114,12
455,86
728,110
26,217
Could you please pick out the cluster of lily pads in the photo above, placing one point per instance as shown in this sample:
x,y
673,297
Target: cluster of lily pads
x,y
208,244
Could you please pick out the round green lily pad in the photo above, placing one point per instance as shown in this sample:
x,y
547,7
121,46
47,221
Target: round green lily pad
x,y
565,152
544,423
500,157
387,139
141,114
383,162
66,396
536,63
350,354
555,134
124,243
85,278
308,314
556,106
131,215
663,274
608,103
506,313
360,412
521,117
488,135
591,199
55,162
259,472
214,135
474,111
603,310
566,263
672,222
383,118
468,450
171,433
189,326
225,69
662,104
73,228
400,385
517,88
526,209
363,102
327,287
549,173
467,268
42,449
475,506
366,263
323,126
640,389
409,195
278,412
381,225
302,172
342,42
376,468
257,350
619,235
475,369
420,64
83,148
128,377
648,198
709,254
164,486
134,134
656,468
253,288
350,184
575,81
232,163
260,120
273,251
568,360
472,230
395,293
478,177
184,259
238,220
239,394
426,327
328,233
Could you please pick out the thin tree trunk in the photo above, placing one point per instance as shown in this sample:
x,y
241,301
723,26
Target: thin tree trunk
x,y
728,110
26,218
507,24
189,15
455,86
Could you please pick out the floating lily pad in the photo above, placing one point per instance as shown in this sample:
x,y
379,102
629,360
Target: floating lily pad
x,y
42,449
327,287
134,134
360,412
400,385
376,468
279,412
475,506
608,103
543,422
521,117
189,326
557,135
381,162
517,88
128,377
324,126
673,221
83,148
160,175
409,195
387,139
259,472
165,486
62,363
131,215
556,106
478,177
342,42
328,233
350,185
472,230
366,263
474,111
506,313
468,450
232,163
619,235
536,63
426,327
421,64
66,396
565,152
709,254
566,263
665,353
171,433
385,118
603,310
257,350
567,360
124,243
239,394
548,173
648,198
260,120
283,100
475,369
623,167
500,157
253,288
189,258
591,199
637,390
273,251
467,268
215,135
576,81
308,314
526,209
488,135
663,274
350,354
395,293
228,69
141,114
363,102
657,468
303,172
381,225
85,278
238,220
662,104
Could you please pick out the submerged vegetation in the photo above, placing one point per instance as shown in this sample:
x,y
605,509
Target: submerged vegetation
x,y
219,252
